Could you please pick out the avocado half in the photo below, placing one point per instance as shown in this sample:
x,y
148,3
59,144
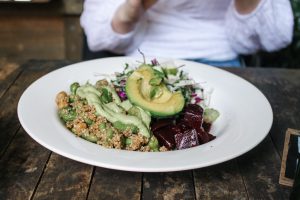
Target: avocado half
x,y
139,91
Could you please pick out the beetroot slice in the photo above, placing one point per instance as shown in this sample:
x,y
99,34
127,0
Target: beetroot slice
x,y
204,136
192,116
160,123
206,126
187,131
187,139
165,137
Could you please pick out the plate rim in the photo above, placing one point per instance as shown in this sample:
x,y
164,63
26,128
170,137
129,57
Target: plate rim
x,y
156,169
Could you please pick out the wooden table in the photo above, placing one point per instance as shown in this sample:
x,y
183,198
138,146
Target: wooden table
x,y
30,171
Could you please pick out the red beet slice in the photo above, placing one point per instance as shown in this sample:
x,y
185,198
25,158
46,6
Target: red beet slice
x,y
160,123
181,125
206,126
204,136
186,131
165,137
211,137
192,115
193,109
187,139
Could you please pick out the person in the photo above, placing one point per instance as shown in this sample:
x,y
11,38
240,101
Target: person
x,y
209,31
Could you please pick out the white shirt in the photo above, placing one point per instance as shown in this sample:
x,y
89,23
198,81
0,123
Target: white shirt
x,y
209,29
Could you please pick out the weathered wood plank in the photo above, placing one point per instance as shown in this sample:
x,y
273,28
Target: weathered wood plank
x,y
222,181
113,184
21,167
260,169
53,8
64,179
42,8
168,186
261,173
9,122
8,73
23,157
73,38
23,160
30,37
282,88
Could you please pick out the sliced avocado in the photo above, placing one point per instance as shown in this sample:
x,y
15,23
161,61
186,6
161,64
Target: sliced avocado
x,y
155,81
92,95
127,119
123,127
87,88
210,115
115,107
126,105
141,93
134,111
155,92
141,114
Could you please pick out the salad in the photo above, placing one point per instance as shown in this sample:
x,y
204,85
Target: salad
x,y
148,107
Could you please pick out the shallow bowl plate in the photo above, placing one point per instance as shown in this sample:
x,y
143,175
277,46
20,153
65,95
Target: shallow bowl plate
x,y
245,120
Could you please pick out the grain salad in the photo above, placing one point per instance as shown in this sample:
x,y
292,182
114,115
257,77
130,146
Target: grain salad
x,y
148,108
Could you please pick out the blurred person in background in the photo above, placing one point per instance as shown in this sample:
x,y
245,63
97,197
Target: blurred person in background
x,y
214,32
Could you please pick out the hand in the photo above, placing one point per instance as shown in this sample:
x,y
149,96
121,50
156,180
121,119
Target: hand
x,y
246,6
128,14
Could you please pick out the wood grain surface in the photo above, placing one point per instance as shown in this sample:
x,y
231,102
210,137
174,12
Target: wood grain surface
x,y
22,160
8,73
113,184
27,37
222,181
30,171
64,179
172,185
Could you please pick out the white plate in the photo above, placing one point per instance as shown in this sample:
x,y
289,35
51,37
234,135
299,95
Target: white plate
x,y
246,118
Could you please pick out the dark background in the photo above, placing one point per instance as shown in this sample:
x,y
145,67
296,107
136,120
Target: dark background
x,y
50,29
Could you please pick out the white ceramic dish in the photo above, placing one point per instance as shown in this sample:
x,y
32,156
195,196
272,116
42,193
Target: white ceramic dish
x,y
246,118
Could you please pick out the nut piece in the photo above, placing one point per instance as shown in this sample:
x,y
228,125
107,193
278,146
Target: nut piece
x,y
61,100
102,82
79,128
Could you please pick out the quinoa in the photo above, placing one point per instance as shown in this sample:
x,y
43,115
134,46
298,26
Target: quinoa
x,y
163,148
89,125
